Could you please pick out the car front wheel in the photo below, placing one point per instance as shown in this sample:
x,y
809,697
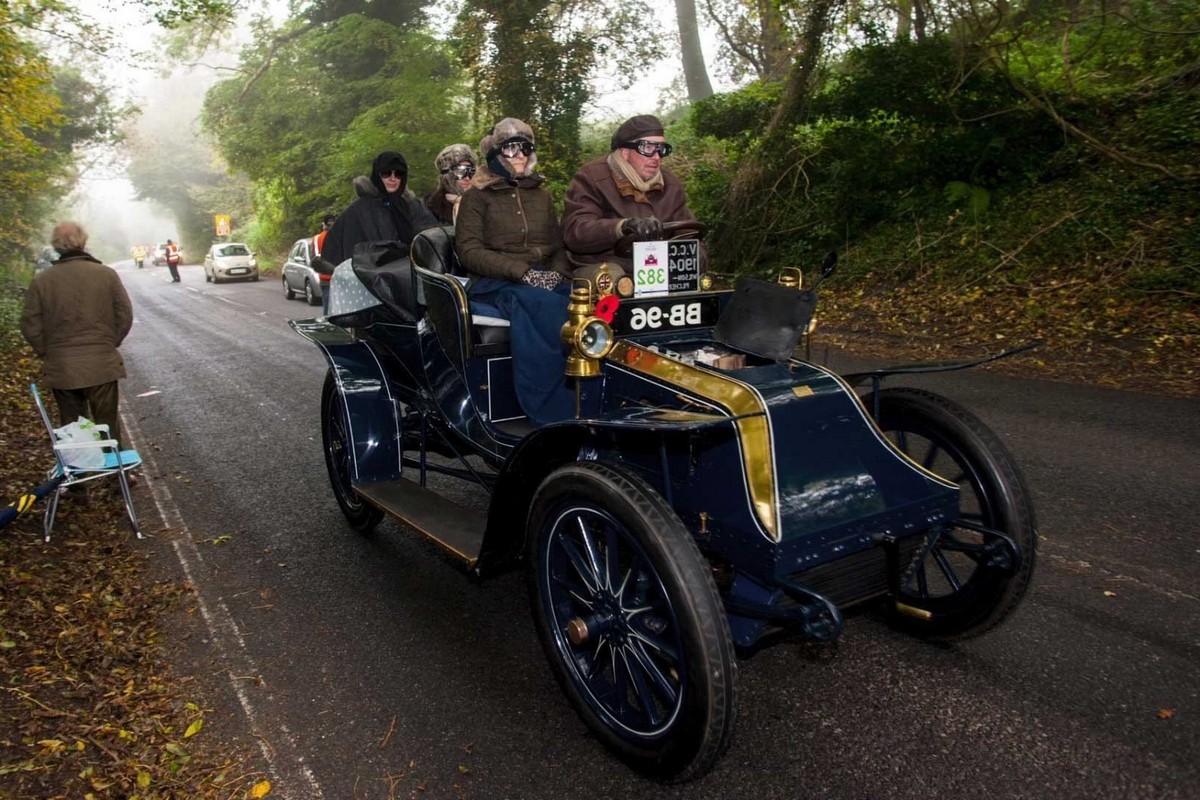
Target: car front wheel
x,y
287,289
630,619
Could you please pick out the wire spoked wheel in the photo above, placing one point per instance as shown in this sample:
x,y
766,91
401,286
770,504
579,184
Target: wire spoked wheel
x,y
339,455
631,621
961,581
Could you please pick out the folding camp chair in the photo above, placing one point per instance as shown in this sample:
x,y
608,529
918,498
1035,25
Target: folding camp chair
x,y
116,462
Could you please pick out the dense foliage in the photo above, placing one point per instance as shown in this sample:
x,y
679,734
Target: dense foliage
x,y
333,97
48,112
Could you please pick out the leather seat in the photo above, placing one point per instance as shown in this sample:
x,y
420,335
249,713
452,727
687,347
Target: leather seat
x,y
433,249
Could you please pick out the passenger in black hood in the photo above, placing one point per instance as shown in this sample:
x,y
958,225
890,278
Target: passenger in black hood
x,y
385,210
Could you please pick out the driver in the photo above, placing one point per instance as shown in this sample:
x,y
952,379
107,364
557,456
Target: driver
x,y
625,193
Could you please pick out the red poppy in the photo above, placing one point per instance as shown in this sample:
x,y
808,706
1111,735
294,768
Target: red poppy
x,y
607,307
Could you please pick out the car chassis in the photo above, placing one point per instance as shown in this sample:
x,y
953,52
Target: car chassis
x,y
714,492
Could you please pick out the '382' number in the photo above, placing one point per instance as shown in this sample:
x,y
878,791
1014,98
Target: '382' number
x,y
676,316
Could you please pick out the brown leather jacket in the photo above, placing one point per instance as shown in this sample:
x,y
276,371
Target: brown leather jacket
x,y
76,314
594,209
503,230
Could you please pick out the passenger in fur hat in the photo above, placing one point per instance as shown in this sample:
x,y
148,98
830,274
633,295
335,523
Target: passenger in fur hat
x,y
455,166
508,238
625,193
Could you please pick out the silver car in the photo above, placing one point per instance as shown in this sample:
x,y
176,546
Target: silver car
x,y
47,257
299,277
230,261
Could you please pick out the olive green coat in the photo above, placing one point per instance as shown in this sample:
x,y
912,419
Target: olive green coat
x,y
76,315
502,230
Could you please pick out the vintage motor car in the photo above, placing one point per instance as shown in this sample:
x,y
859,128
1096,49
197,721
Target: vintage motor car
x,y
716,490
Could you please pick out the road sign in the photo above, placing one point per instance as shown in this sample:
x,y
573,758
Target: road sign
x,y
221,222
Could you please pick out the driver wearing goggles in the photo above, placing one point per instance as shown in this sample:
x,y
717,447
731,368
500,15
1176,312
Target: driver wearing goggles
x,y
625,193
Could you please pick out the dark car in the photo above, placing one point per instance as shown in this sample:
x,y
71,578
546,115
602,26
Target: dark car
x,y
715,492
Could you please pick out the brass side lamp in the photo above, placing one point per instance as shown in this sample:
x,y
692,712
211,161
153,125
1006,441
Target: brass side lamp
x,y
587,337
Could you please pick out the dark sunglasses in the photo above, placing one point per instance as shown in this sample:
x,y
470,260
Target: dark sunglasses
x,y
460,172
649,148
393,173
510,149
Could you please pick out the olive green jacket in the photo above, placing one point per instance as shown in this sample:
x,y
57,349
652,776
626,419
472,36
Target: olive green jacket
x,y
76,315
502,230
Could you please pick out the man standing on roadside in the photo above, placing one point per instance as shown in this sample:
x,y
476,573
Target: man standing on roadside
x,y
76,315
173,260
625,193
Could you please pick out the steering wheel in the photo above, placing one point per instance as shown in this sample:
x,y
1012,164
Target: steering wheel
x,y
679,229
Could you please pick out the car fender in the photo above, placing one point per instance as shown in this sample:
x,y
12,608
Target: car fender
x,y
549,447
374,420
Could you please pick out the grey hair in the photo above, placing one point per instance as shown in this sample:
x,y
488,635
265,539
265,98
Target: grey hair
x,y
68,236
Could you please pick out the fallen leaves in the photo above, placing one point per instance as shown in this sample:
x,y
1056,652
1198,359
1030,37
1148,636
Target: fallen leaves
x,y
91,708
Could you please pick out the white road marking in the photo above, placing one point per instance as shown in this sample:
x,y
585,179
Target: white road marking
x,y
289,772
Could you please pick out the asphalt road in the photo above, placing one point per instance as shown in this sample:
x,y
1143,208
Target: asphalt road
x,y
370,667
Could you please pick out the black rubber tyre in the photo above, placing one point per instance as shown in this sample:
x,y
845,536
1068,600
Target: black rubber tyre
x,y
287,290
654,676
310,296
335,436
207,278
962,598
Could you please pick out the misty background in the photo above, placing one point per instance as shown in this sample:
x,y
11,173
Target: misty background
x,y
166,91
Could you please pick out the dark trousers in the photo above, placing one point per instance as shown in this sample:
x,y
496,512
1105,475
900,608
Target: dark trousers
x,y
536,317
97,403
174,271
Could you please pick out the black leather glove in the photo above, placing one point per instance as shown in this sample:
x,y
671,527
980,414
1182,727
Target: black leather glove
x,y
643,229
542,278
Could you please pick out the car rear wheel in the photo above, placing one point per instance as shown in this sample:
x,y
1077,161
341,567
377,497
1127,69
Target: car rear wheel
x,y
287,289
962,586
339,455
310,295
630,619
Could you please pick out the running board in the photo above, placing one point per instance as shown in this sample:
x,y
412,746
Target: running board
x,y
448,524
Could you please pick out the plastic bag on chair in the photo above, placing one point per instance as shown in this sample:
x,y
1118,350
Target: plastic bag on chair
x,y
81,431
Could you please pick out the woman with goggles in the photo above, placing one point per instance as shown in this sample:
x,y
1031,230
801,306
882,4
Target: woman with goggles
x,y
508,238
455,166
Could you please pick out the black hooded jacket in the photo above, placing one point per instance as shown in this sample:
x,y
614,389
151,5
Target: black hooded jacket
x,y
377,216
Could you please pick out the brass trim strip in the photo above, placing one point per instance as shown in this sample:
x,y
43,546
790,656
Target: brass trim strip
x,y
753,425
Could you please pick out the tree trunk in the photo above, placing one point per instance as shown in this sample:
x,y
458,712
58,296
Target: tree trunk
x,y
776,48
695,73
751,198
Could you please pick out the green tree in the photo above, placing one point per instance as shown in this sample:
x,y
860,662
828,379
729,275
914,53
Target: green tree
x,y
535,61
333,97
48,113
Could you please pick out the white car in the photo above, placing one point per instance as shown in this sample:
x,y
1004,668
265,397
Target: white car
x,y
230,261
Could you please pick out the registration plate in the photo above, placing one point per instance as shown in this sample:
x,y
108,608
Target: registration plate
x,y
238,271
645,315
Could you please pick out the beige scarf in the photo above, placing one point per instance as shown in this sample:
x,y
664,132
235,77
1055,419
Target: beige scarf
x,y
629,183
